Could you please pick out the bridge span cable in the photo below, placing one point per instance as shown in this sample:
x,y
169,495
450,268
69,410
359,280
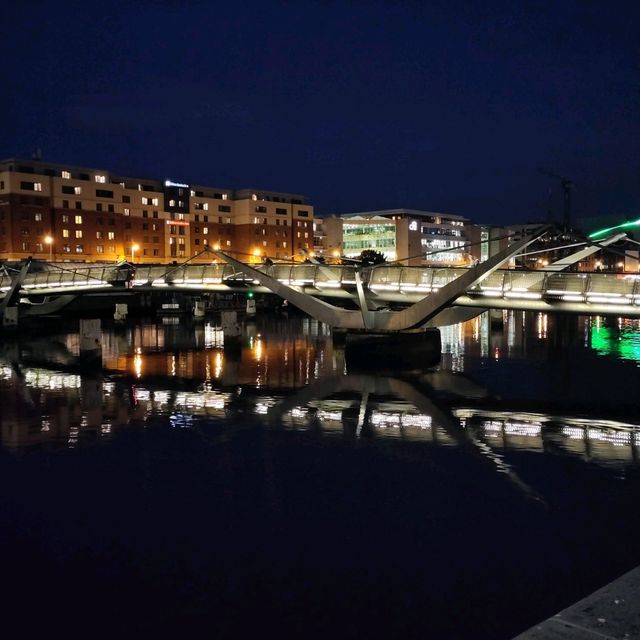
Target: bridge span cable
x,y
618,252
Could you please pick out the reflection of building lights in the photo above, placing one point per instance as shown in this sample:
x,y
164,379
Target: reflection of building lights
x,y
573,433
329,416
263,407
137,362
181,420
51,380
217,373
161,396
257,347
386,420
530,430
213,336
142,394
201,400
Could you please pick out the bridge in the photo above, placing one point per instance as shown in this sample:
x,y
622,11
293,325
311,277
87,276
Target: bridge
x,y
373,289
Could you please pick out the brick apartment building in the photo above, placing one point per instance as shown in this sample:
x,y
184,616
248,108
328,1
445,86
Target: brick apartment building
x,y
62,212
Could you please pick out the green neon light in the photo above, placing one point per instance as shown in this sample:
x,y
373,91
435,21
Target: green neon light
x,y
624,225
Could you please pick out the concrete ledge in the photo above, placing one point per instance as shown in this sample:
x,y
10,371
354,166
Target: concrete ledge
x,y
612,613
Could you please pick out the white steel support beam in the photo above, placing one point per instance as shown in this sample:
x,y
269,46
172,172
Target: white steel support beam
x,y
384,321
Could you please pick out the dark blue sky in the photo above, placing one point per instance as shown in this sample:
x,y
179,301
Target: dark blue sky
x,y
360,105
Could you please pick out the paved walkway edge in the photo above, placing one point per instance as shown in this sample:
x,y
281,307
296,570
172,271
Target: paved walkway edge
x,y
611,613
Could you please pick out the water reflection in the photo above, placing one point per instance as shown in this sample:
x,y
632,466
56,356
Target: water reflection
x,y
289,375
618,337
274,467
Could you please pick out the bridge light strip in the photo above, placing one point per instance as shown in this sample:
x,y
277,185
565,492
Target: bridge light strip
x,y
604,300
523,295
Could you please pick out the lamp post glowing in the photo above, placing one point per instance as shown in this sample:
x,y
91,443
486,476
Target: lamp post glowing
x,y
49,240
134,248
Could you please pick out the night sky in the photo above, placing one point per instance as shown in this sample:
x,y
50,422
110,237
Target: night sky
x,y
442,106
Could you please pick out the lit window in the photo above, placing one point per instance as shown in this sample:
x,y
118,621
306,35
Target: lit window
x,y
111,235
66,175
99,248
127,212
205,230
254,196
205,206
101,179
225,196
65,233
228,243
37,186
77,190
172,203
99,235
79,248
78,219
78,233
37,217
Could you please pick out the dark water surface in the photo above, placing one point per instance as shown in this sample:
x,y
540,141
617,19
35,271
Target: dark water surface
x,y
186,490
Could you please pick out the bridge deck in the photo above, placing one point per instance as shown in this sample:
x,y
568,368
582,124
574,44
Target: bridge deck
x,y
387,283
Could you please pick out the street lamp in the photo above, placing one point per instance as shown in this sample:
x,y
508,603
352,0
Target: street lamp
x,y
49,240
134,248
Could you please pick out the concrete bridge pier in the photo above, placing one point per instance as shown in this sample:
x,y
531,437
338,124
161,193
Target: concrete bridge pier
x,y
232,331
496,319
90,340
10,318
198,309
121,312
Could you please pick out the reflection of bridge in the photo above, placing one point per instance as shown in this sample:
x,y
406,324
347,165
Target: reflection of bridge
x,y
584,293
353,405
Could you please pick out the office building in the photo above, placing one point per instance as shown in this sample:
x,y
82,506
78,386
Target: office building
x,y
408,236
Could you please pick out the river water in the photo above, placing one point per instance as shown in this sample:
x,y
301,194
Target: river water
x,y
184,489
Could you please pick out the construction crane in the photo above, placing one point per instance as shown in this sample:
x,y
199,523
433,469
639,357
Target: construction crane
x,y
567,187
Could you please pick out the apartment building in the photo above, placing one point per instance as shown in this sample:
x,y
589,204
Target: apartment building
x,y
61,212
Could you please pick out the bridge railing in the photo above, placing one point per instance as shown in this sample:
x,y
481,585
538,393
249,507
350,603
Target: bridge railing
x,y
613,288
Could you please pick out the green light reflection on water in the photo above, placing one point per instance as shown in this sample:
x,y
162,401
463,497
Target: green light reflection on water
x,y
620,342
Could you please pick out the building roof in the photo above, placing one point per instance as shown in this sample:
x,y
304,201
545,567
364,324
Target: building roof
x,y
414,213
